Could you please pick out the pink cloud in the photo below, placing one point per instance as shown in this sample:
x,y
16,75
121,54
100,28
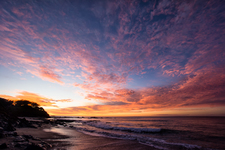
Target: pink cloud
x,y
49,74
87,87
205,88
183,43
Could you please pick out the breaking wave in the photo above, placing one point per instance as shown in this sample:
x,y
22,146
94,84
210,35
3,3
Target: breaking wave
x,y
107,126
153,142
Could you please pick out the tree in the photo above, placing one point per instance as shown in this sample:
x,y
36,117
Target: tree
x,y
22,108
6,106
29,109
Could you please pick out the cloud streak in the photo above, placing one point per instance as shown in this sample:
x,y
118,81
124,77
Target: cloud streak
x,y
49,74
111,50
41,100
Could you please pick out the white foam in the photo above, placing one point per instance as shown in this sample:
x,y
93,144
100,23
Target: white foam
x,y
153,142
152,145
108,127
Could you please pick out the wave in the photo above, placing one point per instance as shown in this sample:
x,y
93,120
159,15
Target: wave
x,y
153,142
119,126
106,126
150,120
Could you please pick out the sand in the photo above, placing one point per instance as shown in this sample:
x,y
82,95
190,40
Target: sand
x,y
69,139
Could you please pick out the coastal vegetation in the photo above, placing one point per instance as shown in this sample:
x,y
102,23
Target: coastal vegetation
x,y
21,108
19,114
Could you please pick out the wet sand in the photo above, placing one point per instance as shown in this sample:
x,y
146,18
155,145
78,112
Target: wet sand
x,y
69,139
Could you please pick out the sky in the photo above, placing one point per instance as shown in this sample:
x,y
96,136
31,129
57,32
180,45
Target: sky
x,y
115,57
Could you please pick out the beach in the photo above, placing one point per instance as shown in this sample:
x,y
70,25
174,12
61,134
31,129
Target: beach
x,y
112,133
112,74
80,140
59,137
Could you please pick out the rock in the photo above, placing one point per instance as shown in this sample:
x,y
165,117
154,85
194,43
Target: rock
x,y
1,132
28,136
19,139
36,139
9,127
46,144
22,144
34,147
47,121
10,133
25,123
3,123
17,145
3,146
14,133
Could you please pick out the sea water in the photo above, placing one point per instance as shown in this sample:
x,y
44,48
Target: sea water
x,y
158,132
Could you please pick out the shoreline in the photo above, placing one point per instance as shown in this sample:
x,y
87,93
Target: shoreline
x,y
56,135
62,134
79,140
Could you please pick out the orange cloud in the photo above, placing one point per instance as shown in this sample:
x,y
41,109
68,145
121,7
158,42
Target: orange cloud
x,y
105,56
204,89
99,110
41,100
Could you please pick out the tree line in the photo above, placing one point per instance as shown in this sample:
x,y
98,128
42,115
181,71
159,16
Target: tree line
x,y
21,108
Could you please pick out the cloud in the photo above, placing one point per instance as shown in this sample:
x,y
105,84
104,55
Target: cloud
x,y
102,50
24,95
205,88
161,36
49,74
41,100
115,103
99,110
89,96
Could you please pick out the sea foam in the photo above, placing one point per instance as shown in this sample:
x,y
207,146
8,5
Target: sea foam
x,y
105,126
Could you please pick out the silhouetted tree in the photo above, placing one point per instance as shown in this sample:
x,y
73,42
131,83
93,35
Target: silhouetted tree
x,y
21,108
5,106
30,109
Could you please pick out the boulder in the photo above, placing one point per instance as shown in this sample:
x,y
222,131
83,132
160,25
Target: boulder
x,y
28,136
10,133
19,139
34,147
3,146
1,132
22,144
23,123
46,144
10,127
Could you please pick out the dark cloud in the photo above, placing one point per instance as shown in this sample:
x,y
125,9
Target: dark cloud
x,y
115,103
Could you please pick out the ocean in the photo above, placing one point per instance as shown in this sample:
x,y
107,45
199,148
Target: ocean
x,y
166,133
